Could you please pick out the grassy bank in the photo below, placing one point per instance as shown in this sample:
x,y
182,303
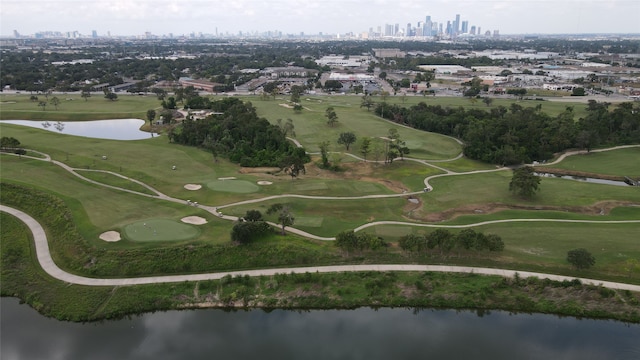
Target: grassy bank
x,y
23,278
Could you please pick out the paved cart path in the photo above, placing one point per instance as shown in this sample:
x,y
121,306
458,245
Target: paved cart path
x,y
45,260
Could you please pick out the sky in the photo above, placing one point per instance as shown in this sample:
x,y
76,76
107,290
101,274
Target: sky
x,y
135,17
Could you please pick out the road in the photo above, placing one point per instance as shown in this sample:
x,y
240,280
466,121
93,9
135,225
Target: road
x,y
45,260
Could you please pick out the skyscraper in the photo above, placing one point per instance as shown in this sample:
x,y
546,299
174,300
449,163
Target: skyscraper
x,y
456,25
428,27
465,27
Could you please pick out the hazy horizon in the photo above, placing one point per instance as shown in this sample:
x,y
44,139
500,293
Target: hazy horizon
x,y
120,17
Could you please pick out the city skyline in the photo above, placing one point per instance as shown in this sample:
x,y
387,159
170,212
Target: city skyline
x,y
119,17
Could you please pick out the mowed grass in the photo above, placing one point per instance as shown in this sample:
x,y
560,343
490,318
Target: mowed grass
x,y
152,230
75,108
621,162
311,126
98,209
493,187
114,180
233,186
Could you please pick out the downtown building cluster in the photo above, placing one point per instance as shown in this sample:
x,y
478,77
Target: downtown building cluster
x,y
429,28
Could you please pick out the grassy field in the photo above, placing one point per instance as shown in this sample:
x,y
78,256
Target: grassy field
x,y
622,162
94,209
73,107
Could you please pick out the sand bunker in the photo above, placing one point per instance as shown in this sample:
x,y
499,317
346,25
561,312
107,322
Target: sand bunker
x,y
110,236
262,182
193,187
286,105
194,220
227,178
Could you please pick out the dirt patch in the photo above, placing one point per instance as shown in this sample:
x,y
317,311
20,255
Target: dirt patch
x,y
599,208
363,171
194,220
193,186
110,236
259,170
263,182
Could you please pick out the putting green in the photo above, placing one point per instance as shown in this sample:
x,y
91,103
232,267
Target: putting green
x,y
160,230
234,186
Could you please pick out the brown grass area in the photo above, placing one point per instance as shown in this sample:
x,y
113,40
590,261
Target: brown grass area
x,y
362,171
602,207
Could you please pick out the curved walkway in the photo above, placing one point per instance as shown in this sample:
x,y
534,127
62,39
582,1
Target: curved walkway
x,y
45,260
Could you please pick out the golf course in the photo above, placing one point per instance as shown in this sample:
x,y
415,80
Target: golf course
x,y
171,209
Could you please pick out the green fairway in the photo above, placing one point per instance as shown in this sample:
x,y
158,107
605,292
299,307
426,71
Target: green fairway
x,y
75,108
311,127
233,186
159,230
621,162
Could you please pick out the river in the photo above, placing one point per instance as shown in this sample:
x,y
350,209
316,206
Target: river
x,y
318,334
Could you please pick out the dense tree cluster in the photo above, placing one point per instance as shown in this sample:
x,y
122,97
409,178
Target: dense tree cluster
x,y
239,134
445,241
521,134
349,241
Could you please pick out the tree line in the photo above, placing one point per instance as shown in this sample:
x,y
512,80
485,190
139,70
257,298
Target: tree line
x,y
445,241
522,134
241,136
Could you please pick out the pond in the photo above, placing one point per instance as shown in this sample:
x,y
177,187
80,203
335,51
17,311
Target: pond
x,y
583,179
120,129
330,334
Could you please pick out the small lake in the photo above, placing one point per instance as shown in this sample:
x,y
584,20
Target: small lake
x,y
583,179
330,334
120,129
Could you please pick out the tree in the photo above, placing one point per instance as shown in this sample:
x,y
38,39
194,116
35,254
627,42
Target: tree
x,y
383,75
86,93
151,115
324,153
166,116
9,142
346,139
367,102
253,215
524,182
487,101
296,92
55,102
42,104
244,232
297,108
287,128
285,219
365,147
580,258
332,117
578,91
110,95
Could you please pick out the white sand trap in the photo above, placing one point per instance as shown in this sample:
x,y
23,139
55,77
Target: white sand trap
x,y
263,182
227,178
286,105
194,220
110,236
193,187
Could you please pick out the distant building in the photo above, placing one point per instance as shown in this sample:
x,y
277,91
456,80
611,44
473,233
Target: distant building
x,y
389,53
289,71
202,85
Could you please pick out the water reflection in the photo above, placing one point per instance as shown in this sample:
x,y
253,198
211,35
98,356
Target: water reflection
x,y
121,129
583,179
356,334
